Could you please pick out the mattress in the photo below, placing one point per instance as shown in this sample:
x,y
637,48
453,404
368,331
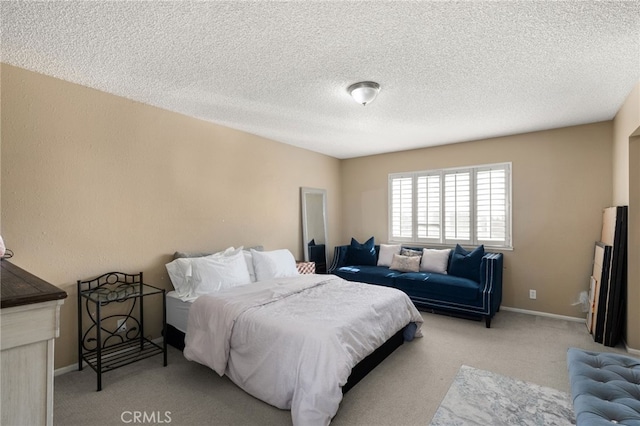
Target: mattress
x,y
177,311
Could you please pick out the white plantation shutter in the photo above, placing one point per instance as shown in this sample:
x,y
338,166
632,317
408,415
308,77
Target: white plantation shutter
x,y
457,205
428,207
401,190
467,206
491,204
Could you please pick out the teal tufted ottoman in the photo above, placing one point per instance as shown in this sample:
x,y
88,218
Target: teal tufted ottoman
x,y
605,388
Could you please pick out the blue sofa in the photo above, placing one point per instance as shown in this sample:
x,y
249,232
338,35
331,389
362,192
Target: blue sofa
x,y
433,291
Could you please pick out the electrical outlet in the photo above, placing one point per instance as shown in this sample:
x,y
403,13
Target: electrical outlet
x,y
532,294
122,326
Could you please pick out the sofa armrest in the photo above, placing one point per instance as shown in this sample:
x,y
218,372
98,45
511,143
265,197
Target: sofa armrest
x,y
339,258
491,279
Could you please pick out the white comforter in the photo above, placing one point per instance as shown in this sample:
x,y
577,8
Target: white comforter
x,y
292,342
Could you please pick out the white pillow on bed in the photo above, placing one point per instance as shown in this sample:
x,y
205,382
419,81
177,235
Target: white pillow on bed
x,y
274,264
214,273
180,269
179,272
248,258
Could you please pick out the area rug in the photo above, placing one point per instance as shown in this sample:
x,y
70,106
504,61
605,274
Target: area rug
x,y
479,397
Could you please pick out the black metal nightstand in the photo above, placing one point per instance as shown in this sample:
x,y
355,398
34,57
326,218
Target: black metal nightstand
x,y
115,335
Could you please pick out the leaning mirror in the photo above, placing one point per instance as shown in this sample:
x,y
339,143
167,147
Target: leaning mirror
x,y
314,227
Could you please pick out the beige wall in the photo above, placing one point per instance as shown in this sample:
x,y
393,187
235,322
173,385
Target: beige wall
x,y
626,191
625,123
561,182
93,183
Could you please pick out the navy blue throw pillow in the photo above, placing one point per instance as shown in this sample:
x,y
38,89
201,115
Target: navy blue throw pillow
x,y
361,254
466,264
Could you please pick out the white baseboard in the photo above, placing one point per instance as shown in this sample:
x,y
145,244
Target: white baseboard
x,y
67,369
632,351
543,314
74,366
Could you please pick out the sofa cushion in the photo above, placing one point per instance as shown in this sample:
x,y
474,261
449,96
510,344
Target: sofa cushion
x,y
368,274
435,260
362,254
386,253
466,264
405,263
426,284
410,252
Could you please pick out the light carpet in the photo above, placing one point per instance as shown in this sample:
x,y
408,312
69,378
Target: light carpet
x,y
479,397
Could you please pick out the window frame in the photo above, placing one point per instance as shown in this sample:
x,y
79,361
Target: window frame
x,y
441,240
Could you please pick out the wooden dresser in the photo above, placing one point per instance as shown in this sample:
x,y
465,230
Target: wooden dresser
x,y
29,323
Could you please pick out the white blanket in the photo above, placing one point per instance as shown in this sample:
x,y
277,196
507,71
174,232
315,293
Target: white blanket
x,y
292,342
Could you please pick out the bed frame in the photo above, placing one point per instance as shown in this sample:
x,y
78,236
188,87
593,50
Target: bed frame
x,y
175,338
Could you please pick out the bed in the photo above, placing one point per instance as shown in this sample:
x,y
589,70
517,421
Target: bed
x,y
297,342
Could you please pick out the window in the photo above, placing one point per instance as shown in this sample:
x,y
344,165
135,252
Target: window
x,y
466,206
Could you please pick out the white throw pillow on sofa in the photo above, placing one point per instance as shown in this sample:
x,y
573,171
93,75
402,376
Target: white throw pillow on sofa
x,y
435,260
386,253
273,264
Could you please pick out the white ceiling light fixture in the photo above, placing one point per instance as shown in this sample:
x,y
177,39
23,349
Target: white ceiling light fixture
x,y
364,92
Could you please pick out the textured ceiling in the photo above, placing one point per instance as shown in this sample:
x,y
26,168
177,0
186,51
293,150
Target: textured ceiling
x,y
449,71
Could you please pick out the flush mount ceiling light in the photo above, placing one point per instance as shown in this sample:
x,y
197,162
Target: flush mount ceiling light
x,y
364,92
